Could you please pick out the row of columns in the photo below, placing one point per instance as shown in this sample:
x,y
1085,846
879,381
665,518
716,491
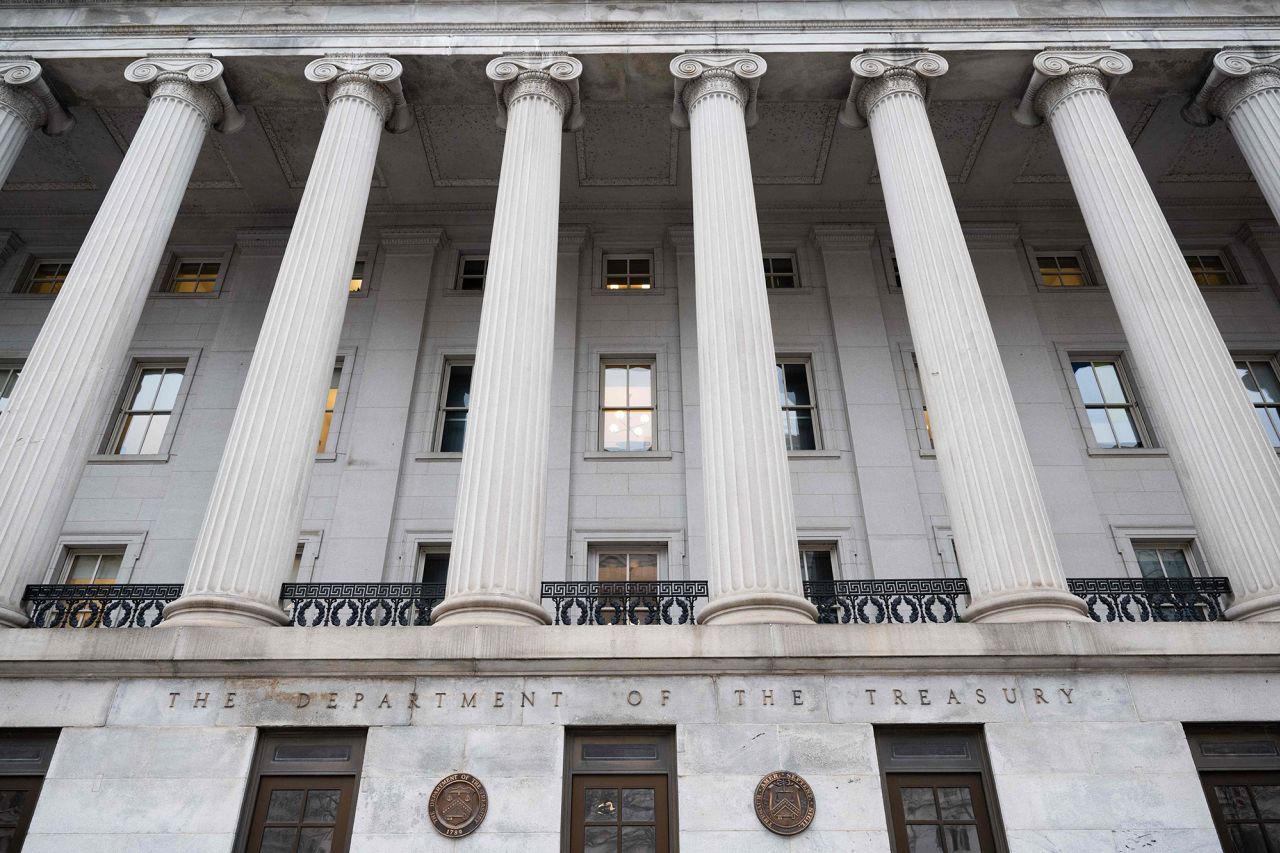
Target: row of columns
x,y
1227,469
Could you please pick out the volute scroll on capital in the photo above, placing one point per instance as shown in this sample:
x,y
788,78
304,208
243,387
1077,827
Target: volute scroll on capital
x,y
373,78
700,74
881,73
1059,73
553,76
24,89
1236,75
194,77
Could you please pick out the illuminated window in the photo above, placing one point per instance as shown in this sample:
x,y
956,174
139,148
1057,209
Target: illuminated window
x,y
1109,404
46,278
780,272
1209,269
799,410
357,278
147,409
327,430
1257,374
455,402
617,564
628,272
627,406
194,277
1062,271
8,381
471,272
93,566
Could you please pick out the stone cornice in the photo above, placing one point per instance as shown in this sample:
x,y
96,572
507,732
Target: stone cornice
x,y
835,238
373,78
262,240
410,241
698,73
194,77
24,89
681,238
551,75
991,234
1082,68
572,238
875,74
10,243
1236,74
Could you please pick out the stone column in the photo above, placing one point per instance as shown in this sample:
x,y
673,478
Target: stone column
x,y
499,531
1226,466
1002,534
69,379
753,563
1243,89
25,104
250,530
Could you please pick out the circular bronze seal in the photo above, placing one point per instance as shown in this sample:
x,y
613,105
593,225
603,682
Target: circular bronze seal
x,y
458,805
784,803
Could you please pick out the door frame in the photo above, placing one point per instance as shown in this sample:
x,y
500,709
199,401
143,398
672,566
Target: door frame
x,y
933,779
661,805
664,738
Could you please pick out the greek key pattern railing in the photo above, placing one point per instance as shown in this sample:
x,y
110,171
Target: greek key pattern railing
x,y
126,605
345,605
875,602
630,603
1152,599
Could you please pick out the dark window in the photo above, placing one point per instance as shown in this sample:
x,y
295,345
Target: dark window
x,y
1240,770
433,564
621,792
46,278
1209,270
780,272
455,402
816,562
24,758
1061,271
471,273
628,272
799,409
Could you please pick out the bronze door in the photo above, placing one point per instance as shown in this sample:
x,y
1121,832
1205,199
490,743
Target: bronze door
x,y
939,813
619,814
17,803
1246,810
302,814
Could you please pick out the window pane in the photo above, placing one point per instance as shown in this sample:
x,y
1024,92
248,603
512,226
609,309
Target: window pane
x,y
9,803
962,839
1149,563
453,432
611,568
601,805
315,841
615,266
1234,801
639,267
796,385
322,806
638,803
1268,417
644,567
955,804
1247,838
601,839
799,430
167,396
133,434
474,267
83,568
640,431
154,439
1102,433
279,839
458,394
1086,382
925,839
641,389
1175,563
1267,798
615,386
1109,382
615,435
639,839
285,806
144,396
1122,427
8,380
917,804
109,568
435,566
816,565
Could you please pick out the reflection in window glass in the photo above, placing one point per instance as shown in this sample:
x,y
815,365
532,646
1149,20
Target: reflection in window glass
x,y
799,412
455,403
330,405
1260,383
148,407
1111,410
357,278
93,567
8,381
627,408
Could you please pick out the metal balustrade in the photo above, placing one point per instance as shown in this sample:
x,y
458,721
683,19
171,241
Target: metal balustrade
x,y
624,603
126,605
346,605
1152,599
906,601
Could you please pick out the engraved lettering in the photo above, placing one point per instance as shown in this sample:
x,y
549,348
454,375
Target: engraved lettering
x,y
924,697
555,698
201,700
1040,700
766,697
304,699
666,697
413,700
634,698
871,696
231,700
982,697
173,697
741,694
440,699
797,697
1005,691
1067,691
527,698
386,701
897,698
468,701
954,699
497,699
332,704
359,699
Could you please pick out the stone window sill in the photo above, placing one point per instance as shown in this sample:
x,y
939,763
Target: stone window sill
x,y
813,454
438,456
634,454
128,459
1103,453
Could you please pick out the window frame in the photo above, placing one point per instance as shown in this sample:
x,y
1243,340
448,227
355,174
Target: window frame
x,y
919,406
1082,251
606,257
310,543
366,281
798,283
22,287
596,547
347,355
630,250
1270,357
1235,281
819,446
1220,769
177,255
33,773
422,550
824,545
664,764
129,544
458,276
137,362
605,362
8,367
448,362
1128,383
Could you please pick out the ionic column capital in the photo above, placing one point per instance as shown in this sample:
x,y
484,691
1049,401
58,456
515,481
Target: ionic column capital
x,y
1237,74
549,76
23,90
878,75
375,79
194,78
701,74
1057,74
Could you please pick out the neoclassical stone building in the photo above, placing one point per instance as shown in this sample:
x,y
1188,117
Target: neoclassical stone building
x,y
703,426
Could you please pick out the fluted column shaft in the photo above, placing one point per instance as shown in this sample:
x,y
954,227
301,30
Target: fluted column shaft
x,y
25,105
14,130
1226,466
1003,538
495,561
250,531
1250,105
54,418
753,565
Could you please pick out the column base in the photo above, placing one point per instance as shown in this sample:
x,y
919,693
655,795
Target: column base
x,y
488,609
11,618
1034,605
215,610
759,608
1260,608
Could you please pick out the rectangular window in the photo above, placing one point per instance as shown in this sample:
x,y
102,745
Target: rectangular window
x,y
1209,269
303,792
895,279
24,760
1161,560
1240,772
628,272
46,277
1257,374
471,272
357,278
621,792
433,564
147,409
622,564
938,790
9,372
93,566
915,389
455,401
1109,403
627,406
817,562
194,276
329,427
799,410
1062,270
780,272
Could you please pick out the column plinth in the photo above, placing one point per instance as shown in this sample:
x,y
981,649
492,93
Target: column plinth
x,y
1227,468
26,103
753,563
499,532
250,531
71,375
1002,534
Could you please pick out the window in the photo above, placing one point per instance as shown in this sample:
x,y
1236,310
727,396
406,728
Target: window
x,y
46,277
334,402
471,272
455,400
1160,560
915,390
628,272
938,790
896,281
621,564
1257,374
620,791
1209,269
1240,771
433,563
799,412
302,795
1109,404
357,278
817,562
9,373
194,277
1062,270
627,406
147,410
780,272
24,760
93,566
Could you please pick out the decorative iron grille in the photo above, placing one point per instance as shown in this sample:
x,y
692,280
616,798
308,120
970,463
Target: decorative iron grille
x,y
874,602
126,605
309,605
1152,599
624,603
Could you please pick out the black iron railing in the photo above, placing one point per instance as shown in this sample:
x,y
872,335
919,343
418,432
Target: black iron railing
x,y
126,605
1152,599
630,603
350,604
874,602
